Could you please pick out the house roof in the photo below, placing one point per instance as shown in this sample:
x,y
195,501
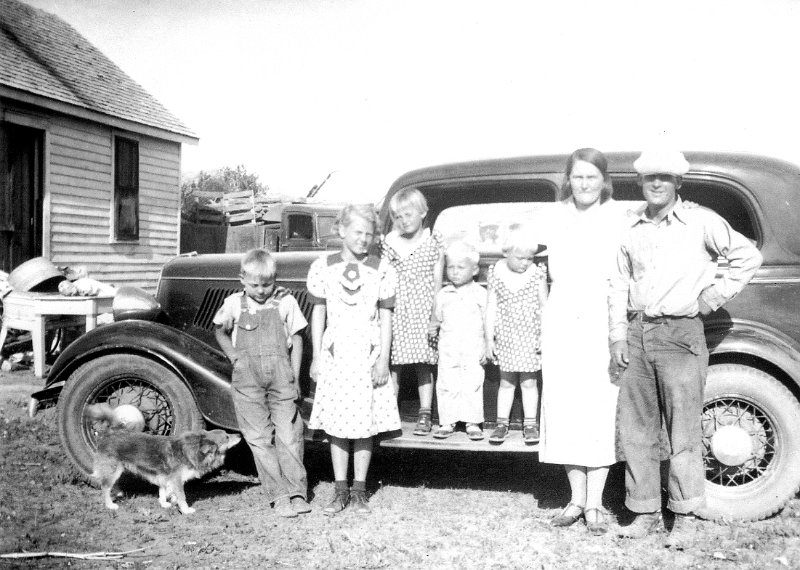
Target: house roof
x,y
43,55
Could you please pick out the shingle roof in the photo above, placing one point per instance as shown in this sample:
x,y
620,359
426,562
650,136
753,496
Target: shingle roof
x,y
42,54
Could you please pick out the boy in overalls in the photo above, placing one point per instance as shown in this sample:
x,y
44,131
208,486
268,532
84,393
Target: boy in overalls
x,y
258,329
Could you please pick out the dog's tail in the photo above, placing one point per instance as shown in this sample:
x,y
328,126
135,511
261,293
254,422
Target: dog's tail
x,y
104,414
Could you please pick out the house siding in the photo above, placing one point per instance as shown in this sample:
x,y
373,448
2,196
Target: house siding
x,y
79,195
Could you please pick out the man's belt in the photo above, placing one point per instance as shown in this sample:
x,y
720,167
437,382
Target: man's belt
x,y
642,318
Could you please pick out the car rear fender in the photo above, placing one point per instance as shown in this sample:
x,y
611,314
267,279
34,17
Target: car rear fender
x,y
738,340
204,369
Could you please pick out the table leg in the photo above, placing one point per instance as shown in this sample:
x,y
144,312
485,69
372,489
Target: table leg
x,y
91,322
3,335
39,352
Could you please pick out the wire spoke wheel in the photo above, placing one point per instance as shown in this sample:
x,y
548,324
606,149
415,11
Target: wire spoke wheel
x,y
750,443
167,405
158,415
754,422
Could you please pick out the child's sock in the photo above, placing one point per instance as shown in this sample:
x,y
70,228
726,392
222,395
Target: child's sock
x,y
503,421
341,486
529,421
425,411
359,486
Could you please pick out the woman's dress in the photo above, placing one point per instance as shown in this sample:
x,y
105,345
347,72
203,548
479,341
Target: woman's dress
x,y
579,401
346,404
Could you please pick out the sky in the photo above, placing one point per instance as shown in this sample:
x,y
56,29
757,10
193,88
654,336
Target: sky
x,y
295,89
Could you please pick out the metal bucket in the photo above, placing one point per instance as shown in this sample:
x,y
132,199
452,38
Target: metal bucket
x,y
37,275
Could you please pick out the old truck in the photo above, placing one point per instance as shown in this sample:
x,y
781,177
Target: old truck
x,y
160,354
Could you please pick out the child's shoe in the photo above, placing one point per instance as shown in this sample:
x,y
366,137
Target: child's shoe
x,y
445,431
499,434
424,424
300,505
283,508
340,499
530,433
358,502
474,432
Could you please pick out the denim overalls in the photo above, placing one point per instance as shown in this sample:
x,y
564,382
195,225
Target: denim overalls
x,y
264,396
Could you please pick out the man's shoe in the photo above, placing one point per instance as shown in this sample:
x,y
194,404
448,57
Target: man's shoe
x,y
358,502
683,529
642,525
283,508
338,503
499,434
300,505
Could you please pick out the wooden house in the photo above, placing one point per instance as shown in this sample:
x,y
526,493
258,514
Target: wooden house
x,y
90,162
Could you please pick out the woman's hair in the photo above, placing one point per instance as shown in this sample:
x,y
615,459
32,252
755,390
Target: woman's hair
x,y
364,211
520,237
594,157
258,263
460,249
408,197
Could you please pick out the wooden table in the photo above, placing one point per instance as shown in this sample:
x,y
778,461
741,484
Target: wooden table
x,y
37,312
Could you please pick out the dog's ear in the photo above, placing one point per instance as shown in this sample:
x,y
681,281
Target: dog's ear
x,y
192,445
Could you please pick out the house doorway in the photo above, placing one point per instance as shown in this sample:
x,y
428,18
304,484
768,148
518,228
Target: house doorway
x,y
21,194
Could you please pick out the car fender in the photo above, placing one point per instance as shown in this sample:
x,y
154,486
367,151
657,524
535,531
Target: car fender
x,y
204,369
754,340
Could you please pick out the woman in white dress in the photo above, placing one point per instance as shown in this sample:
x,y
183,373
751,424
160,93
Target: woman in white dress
x,y
578,397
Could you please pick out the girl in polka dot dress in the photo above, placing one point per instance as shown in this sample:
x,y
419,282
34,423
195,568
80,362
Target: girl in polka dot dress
x,y
517,291
351,329
417,254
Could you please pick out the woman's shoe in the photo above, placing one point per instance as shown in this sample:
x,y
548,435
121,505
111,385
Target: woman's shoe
x,y
567,519
596,521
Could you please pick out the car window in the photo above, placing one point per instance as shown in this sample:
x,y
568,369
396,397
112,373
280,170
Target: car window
x,y
486,225
300,227
325,225
729,202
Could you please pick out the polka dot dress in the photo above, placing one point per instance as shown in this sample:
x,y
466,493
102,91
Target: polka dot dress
x,y
346,404
412,312
518,325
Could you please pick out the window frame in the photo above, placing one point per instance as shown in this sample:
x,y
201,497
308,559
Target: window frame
x,y
120,187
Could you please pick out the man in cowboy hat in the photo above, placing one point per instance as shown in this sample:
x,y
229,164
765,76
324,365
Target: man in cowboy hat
x,y
663,284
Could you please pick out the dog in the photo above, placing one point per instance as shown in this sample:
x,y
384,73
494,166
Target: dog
x,y
166,461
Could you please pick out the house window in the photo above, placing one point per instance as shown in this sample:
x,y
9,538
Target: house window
x,y
126,189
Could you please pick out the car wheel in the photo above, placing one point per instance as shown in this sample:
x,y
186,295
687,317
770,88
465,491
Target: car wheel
x,y
165,402
751,443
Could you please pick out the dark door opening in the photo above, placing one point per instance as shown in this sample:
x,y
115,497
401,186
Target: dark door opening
x,y
21,194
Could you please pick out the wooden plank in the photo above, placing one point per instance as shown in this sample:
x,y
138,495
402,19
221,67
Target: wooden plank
x,y
237,195
238,218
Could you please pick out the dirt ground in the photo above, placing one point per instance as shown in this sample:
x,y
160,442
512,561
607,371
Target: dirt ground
x,y
429,510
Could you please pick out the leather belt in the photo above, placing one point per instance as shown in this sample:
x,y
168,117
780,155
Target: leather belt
x,y
641,317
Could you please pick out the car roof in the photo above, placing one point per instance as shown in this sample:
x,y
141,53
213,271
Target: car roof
x,y
730,163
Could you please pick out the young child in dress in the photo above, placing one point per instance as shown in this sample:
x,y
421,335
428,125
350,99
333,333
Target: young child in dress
x,y
417,254
258,329
458,319
353,294
517,291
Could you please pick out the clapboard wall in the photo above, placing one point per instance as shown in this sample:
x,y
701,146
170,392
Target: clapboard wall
x,y
78,190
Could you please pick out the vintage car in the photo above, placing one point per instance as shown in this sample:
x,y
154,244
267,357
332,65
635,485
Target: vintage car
x,y
160,354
